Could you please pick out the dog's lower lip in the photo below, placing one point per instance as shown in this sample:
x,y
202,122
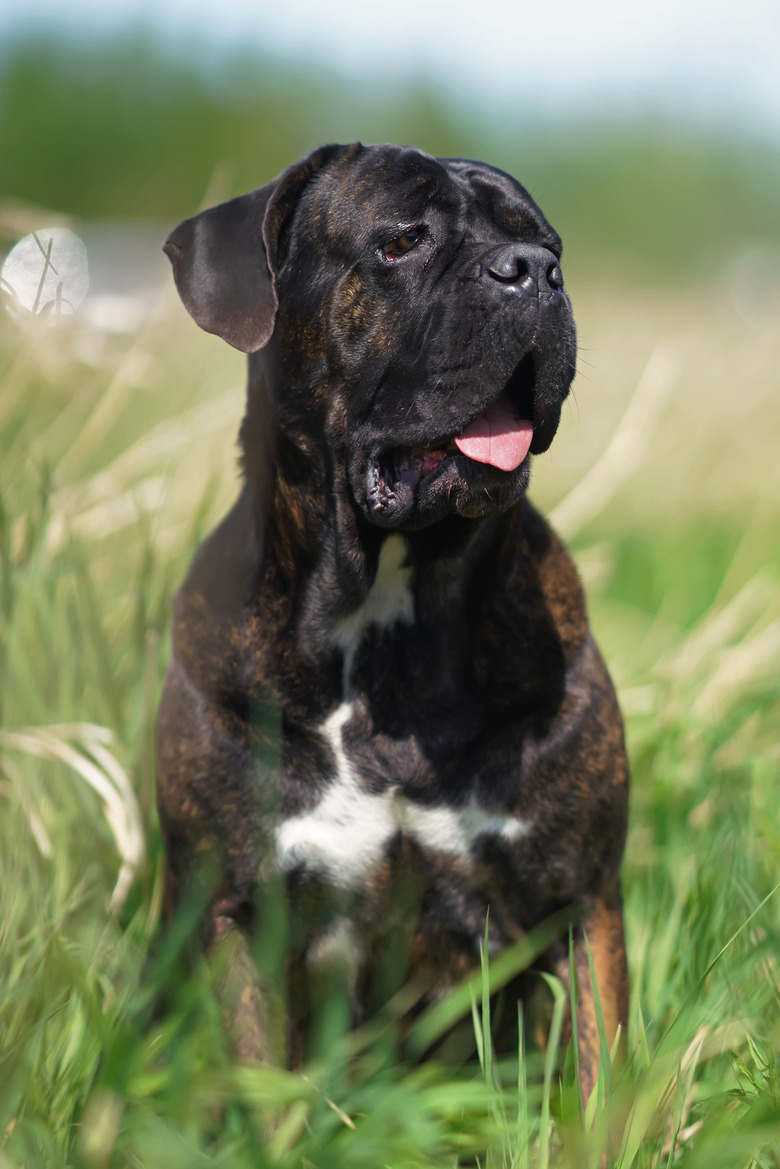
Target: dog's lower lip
x,y
402,470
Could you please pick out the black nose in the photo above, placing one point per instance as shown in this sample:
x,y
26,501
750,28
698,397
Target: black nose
x,y
526,265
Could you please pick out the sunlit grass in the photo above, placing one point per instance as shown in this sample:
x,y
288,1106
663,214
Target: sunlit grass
x,y
116,456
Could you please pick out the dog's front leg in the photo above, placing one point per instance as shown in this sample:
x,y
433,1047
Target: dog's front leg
x,y
210,792
254,1020
601,933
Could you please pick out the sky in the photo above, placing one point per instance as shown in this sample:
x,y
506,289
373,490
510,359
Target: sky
x,y
716,60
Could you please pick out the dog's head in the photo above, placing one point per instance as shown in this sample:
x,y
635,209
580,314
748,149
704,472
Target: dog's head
x,y
422,340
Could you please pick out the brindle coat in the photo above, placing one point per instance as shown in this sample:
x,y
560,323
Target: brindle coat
x,y
383,689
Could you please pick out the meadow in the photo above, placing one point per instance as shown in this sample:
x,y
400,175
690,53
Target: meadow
x,y
118,453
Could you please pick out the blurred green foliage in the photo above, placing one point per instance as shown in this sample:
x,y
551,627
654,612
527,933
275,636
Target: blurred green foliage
x,y
124,127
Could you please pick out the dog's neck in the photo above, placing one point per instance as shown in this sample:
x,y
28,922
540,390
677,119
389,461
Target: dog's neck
x,y
329,571
341,573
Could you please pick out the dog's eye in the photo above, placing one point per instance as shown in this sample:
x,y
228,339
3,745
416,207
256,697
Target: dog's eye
x,y
402,244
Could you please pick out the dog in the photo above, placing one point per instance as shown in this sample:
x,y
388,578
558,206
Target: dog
x,y
384,705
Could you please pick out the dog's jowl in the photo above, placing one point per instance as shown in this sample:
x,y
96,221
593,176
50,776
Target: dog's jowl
x,y
384,702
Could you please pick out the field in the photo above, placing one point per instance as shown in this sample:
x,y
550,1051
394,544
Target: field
x,y
117,454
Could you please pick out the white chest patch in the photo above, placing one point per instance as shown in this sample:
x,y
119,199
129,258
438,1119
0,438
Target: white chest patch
x,y
389,599
345,835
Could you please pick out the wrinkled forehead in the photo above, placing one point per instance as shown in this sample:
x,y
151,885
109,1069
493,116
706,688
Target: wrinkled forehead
x,y
392,188
499,198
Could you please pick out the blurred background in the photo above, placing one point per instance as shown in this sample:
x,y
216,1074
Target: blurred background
x,y
650,136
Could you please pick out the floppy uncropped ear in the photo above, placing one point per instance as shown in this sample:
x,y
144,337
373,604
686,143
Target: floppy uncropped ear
x,y
221,272
224,260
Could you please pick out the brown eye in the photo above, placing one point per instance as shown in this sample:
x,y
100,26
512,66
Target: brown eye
x,y
402,244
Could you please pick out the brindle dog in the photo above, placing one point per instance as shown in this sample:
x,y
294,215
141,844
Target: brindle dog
x,y
447,741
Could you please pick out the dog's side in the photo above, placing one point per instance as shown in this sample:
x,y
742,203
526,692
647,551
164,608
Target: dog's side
x,y
383,695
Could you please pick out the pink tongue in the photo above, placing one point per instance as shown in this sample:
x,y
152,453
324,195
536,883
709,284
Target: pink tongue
x,y
499,437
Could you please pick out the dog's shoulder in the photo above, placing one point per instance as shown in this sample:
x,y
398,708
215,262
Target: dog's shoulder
x,y
538,557
529,610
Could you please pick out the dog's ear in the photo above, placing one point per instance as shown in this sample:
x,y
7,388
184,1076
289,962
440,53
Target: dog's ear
x,y
224,259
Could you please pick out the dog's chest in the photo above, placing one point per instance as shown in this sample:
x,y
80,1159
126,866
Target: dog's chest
x,y
357,823
392,742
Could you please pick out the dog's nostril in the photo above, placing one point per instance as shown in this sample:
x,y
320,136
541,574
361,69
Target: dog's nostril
x,y
509,266
555,277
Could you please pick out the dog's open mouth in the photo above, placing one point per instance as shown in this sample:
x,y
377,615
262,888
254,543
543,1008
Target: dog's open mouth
x,y
498,437
454,473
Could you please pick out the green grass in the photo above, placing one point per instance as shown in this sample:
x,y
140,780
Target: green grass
x,y
116,457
